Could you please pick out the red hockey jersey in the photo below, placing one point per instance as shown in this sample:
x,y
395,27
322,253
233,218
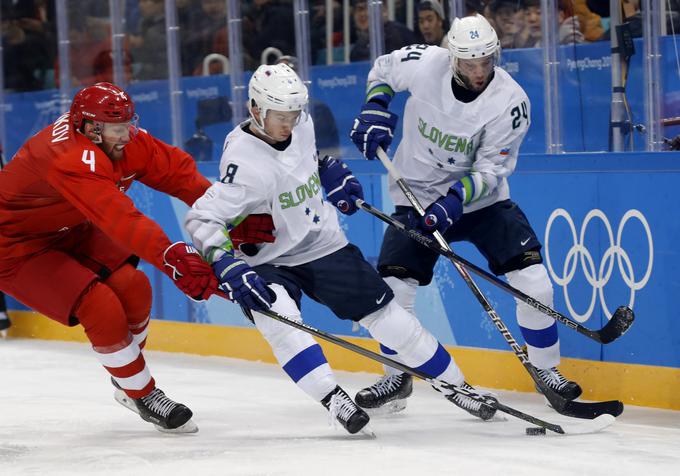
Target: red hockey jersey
x,y
60,179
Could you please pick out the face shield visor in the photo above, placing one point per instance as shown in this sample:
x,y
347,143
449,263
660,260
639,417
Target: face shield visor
x,y
475,72
117,132
288,119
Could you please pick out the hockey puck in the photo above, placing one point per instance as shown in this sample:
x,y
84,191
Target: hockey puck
x,y
535,430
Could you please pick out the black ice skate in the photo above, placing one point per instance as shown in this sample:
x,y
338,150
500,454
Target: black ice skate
x,y
166,415
344,410
473,407
389,393
558,383
5,324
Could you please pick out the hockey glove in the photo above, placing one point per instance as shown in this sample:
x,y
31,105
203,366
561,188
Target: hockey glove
x,y
373,127
189,272
444,212
242,284
255,229
342,188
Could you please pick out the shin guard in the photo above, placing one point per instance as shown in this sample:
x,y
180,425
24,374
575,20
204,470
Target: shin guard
x,y
102,316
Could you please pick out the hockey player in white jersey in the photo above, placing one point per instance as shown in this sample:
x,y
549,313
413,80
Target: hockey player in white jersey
x,y
270,166
463,126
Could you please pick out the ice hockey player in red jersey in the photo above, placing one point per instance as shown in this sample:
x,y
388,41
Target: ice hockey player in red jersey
x,y
70,238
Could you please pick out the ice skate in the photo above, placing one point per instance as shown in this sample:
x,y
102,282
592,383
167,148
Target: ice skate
x,y
387,395
166,415
5,324
473,407
343,409
558,383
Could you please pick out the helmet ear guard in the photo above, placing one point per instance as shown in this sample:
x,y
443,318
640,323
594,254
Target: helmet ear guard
x,y
472,37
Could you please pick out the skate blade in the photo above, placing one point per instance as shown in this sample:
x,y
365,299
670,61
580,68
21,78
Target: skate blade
x,y
188,427
390,408
123,399
367,432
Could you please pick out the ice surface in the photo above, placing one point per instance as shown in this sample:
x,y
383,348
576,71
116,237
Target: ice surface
x,y
59,418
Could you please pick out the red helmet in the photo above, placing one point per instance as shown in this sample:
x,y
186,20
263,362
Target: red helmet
x,y
104,102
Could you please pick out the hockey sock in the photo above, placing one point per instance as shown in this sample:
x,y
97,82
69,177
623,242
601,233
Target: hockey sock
x,y
405,295
296,351
134,292
399,330
539,331
102,316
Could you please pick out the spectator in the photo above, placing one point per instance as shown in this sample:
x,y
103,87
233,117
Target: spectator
x,y
103,67
317,28
25,40
632,14
90,37
397,35
325,127
473,7
199,37
569,28
432,23
591,23
149,51
270,23
509,20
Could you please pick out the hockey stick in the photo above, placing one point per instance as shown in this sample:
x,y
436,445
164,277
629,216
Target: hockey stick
x,y
619,323
591,426
559,403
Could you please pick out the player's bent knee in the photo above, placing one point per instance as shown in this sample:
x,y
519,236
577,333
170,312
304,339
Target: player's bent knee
x,y
272,329
133,290
393,326
102,316
405,290
533,281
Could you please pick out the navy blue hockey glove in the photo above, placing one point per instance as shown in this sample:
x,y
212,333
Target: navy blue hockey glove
x,y
373,127
342,188
242,284
444,212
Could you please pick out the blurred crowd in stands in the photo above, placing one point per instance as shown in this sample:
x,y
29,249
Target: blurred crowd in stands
x,y
31,56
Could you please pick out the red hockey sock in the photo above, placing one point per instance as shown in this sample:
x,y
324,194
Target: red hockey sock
x,y
134,292
102,316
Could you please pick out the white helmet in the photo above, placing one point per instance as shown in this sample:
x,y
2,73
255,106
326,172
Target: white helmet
x,y
275,87
470,38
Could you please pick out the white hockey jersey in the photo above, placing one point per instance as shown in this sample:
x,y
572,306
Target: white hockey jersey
x,y
446,140
257,178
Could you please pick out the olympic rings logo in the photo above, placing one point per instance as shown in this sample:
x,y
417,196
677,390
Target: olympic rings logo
x,y
598,276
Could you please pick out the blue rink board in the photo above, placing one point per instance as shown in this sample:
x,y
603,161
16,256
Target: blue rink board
x,y
642,185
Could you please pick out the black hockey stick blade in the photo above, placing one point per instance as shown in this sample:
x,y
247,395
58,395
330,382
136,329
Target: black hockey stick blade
x,y
615,328
620,322
591,410
571,408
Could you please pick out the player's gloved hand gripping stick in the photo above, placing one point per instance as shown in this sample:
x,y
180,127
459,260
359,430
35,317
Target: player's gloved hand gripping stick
x,y
342,188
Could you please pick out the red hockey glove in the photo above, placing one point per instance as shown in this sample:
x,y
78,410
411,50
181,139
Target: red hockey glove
x,y
190,273
251,231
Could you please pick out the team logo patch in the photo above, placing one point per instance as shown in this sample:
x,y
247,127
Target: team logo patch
x,y
505,151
